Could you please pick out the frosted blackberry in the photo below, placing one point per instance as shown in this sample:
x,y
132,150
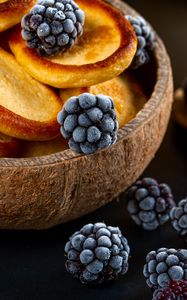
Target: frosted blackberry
x,y
177,290
52,26
97,254
165,265
146,40
178,216
89,122
149,203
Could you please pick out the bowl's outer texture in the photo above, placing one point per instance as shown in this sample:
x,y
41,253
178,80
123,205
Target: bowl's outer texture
x,y
38,193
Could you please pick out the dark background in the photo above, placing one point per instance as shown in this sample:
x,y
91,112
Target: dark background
x,y
32,263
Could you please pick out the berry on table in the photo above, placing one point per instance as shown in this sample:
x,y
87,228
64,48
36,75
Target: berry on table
x,y
52,26
146,40
165,265
177,290
97,254
178,216
89,122
149,203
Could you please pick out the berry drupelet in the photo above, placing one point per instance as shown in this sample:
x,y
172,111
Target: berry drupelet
x,y
146,40
52,26
89,122
177,290
149,203
178,216
165,265
97,254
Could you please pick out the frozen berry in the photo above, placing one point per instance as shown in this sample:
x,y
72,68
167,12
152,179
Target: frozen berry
x,y
178,216
89,122
177,290
165,265
145,38
52,26
149,203
97,254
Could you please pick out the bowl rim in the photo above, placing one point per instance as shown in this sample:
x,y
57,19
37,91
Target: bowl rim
x,y
162,77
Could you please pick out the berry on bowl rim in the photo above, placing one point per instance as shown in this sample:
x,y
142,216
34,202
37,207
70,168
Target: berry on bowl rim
x,y
89,122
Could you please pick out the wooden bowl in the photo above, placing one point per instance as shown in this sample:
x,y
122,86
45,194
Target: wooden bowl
x,y
38,193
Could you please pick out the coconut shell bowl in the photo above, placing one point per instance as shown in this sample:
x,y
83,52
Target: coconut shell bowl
x,y
43,191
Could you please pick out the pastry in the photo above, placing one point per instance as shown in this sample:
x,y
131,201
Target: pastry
x,y
28,108
125,90
105,50
9,147
12,11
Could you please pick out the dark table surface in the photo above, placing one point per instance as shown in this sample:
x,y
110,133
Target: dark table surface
x,y
32,263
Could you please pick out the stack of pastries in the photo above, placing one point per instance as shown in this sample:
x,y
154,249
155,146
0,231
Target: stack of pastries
x,y
33,87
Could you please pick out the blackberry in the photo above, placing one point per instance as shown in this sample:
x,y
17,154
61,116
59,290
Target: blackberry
x,y
97,254
177,290
149,203
165,265
52,26
178,216
89,122
146,40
